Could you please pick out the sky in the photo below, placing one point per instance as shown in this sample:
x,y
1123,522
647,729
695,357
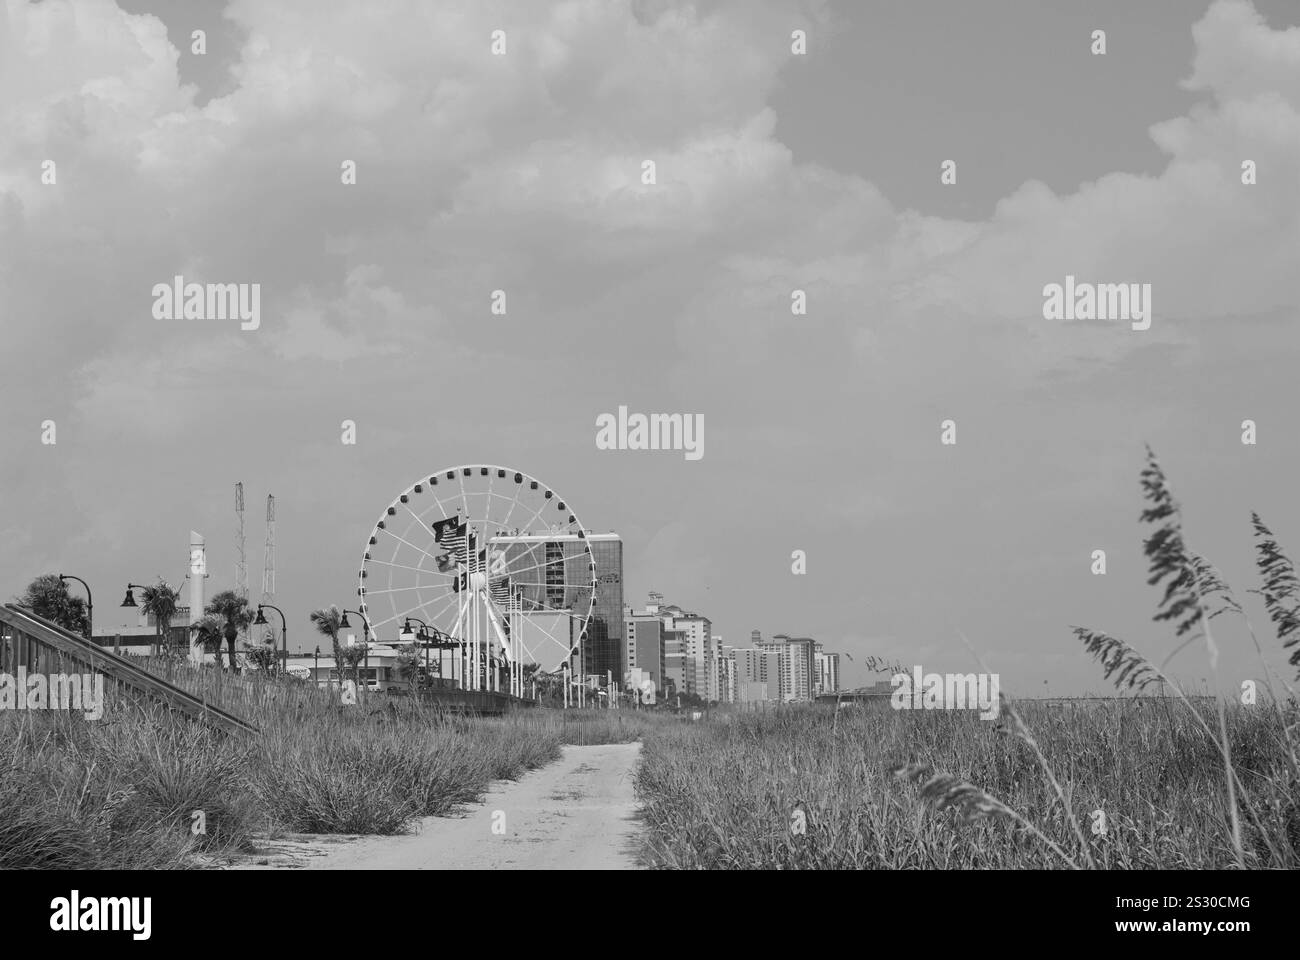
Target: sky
x,y
775,171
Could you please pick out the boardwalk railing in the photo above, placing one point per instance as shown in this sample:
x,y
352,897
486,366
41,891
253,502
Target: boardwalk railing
x,y
41,647
483,702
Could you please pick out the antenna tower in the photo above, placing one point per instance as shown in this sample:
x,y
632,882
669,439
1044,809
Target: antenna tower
x,y
268,555
241,561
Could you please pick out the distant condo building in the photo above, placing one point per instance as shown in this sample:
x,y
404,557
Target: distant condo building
x,y
680,651
646,647
828,671
689,648
794,669
800,671
757,674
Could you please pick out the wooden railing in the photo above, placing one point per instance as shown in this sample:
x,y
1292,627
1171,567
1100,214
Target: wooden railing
x,y
482,702
31,642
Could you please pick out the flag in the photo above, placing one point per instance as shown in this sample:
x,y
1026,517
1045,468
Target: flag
x,y
453,537
500,591
476,561
444,528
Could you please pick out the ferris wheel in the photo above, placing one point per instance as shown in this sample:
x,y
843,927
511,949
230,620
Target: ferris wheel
x,y
486,561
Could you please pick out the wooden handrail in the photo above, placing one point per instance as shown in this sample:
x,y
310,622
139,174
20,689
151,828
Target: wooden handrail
x,y
120,669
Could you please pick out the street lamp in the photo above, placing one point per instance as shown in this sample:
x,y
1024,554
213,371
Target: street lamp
x,y
344,624
130,601
90,604
445,641
284,633
315,674
424,642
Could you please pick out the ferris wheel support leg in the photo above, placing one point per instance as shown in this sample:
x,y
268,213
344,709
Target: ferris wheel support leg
x,y
456,631
496,627
480,673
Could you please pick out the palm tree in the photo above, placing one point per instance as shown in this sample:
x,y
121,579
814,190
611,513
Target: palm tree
x,y
233,609
160,601
47,596
327,622
209,631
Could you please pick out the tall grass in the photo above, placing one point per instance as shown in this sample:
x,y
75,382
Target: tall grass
x,y
1137,783
132,789
720,796
119,793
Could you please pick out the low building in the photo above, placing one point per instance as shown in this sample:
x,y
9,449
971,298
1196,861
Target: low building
x,y
138,638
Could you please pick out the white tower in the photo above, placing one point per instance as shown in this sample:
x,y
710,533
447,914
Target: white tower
x,y
198,573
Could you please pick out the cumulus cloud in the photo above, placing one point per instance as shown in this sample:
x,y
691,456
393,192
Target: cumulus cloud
x,y
523,172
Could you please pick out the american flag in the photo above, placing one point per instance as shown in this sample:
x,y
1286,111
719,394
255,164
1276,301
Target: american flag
x,y
452,537
500,591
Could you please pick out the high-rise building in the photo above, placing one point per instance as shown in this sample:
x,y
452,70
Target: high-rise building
x,y
780,680
680,674
540,566
828,672
726,671
800,668
605,629
645,646
696,632
696,671
756,674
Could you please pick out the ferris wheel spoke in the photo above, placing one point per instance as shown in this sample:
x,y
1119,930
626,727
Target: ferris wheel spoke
x,y
566,646
381,592
403,566
505,524
529,553
445,607
409,544
419,520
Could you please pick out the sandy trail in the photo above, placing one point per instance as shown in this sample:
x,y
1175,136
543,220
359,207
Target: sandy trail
x,y
574,814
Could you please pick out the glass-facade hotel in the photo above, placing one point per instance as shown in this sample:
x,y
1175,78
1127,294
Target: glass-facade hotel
x,y
551,573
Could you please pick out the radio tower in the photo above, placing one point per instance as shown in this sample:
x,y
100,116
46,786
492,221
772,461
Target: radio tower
x,y
268,556
241,561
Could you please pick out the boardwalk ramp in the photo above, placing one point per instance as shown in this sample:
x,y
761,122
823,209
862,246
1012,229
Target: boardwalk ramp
x,y
31,642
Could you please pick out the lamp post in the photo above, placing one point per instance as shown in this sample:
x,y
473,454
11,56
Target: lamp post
x,y
445,641
284,633
315,674
90,604
130,597
423,637
365,637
